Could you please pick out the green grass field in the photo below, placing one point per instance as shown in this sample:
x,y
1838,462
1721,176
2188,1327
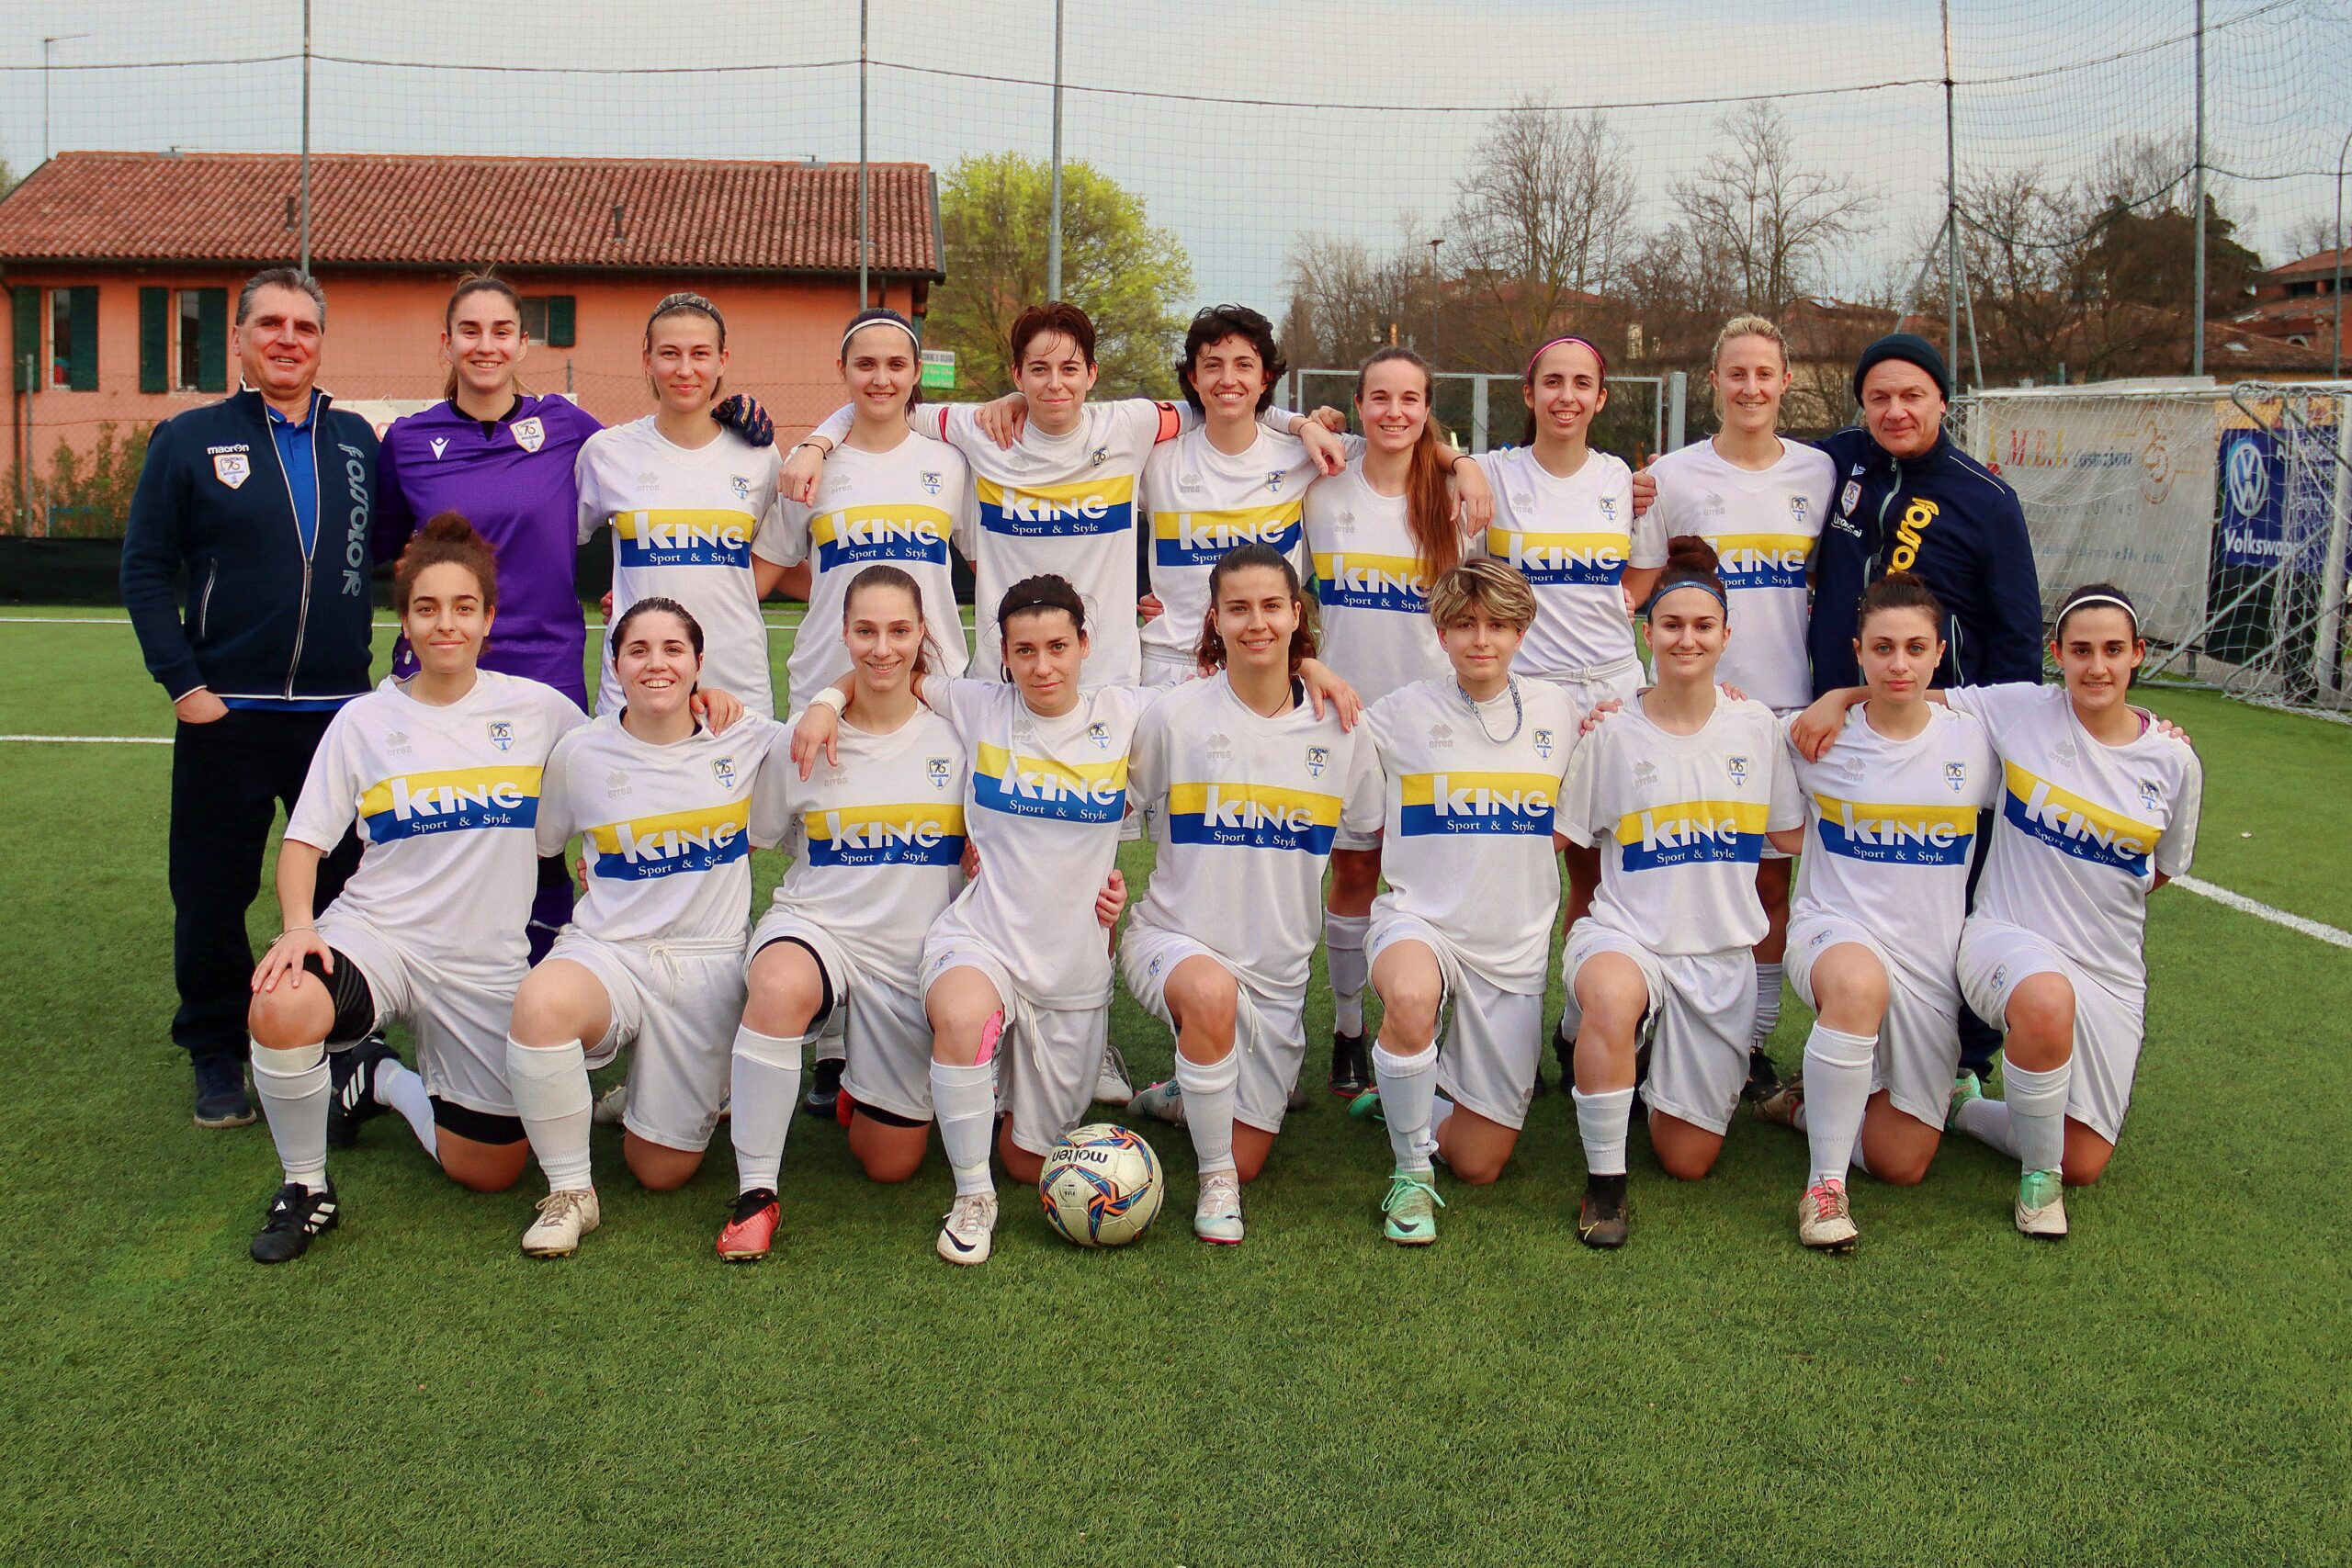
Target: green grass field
x,y
2174,1385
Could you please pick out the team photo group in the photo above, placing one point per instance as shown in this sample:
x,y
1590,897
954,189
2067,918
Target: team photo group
x,y
1362,691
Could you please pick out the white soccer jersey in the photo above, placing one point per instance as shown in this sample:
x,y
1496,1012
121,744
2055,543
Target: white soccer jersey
x,y
685,524
667,829
1376,631
1044,807
1572,538
2084,827
1245,811
1199,504
878,841
902,508
447,800
1468,820
1683,819
1890,830
1763,524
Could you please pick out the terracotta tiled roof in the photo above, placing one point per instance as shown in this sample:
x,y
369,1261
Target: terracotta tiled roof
x,y
376,210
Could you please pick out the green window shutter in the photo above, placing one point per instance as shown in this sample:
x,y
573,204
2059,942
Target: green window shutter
x,y
562,311
154,339
24,349
82,372
212,339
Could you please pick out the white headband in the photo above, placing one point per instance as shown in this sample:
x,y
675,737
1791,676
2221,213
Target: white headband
x,y
2088,600
857,327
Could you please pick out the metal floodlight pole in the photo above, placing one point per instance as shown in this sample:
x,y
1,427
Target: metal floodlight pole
x,y
1054,218
1951,207
46,44
2336,354
2196,335
865,172
306,138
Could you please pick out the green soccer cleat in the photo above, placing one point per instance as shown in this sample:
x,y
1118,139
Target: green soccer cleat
x,y
2042,1206
1411,1209
1366,1107
1965,1088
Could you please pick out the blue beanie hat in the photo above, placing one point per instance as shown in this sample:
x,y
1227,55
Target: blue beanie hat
x,y
1908,346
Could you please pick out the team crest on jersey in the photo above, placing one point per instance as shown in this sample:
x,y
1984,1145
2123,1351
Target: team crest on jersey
x,y
1101,455
440,444
530,434
1274,482
1800,508
723,770
1737,768
1099,733
1317,759
2150,795
233,468
1609,509
1441,734
617,783
1956,775
1544,743
502,733
1644,774
742,486
931,481
937,769
1850,498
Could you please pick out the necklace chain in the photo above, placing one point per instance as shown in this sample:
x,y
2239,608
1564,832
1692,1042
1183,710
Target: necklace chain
x,y
1518,713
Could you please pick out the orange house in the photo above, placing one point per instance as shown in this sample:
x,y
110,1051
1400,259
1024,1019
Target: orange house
x,y
122,270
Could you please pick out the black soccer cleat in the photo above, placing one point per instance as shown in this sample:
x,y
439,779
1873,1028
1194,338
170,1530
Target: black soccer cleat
x,y
1601,1219
1351,1065
824,1096
352,1098
1764,1080
296,1214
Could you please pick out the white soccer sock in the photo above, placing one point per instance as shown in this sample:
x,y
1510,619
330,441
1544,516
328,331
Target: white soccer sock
x,y
1407,1099
2037,1104
550,1088
1987,1122
1837,1091
1768,1000
293,1087
765,1081
1604,1121
403,1090
964,1099
1209,1095
1343,950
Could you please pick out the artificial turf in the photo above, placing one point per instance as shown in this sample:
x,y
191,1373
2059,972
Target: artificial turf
x,y
2170,1385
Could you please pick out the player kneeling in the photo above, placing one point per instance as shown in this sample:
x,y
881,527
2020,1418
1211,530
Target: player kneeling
x,y
1680,791
654,957
442,771
1246,786
1473,763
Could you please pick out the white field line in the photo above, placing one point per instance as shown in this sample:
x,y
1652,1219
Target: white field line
x,y
2260,911
786,624
92,740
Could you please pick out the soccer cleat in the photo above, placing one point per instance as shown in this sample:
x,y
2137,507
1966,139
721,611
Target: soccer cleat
x,y
751,1229
1602,1218
1411,1209
1964,1088
352,1100
1351,1065
1111,1083
1366,1107
1161,1102
824,1090
1781,1105
1763,1078
611,1106
296,1214
564,1218
221,1098
1218,1215
1297,1098
2042,1206
967,1231
1823,1221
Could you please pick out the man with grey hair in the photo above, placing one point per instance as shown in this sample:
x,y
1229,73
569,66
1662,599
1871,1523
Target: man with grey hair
x,y
245,569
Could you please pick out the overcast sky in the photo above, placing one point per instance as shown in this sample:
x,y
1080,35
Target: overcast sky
x,y
1238,181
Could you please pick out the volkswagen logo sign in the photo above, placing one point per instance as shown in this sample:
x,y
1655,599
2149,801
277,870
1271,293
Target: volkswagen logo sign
x,y
2248,477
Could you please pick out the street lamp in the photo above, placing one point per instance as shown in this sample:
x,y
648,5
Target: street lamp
x,y
2336,349
45,43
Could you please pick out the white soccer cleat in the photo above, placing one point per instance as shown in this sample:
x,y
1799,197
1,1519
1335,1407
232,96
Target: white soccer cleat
x,y
1217,1216
1161,1102
968,1234
612,1106
564,1218
1823,1219
1112,1086
2041,1205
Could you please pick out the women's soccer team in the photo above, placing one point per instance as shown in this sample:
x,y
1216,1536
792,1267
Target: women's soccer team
x,y
1377,693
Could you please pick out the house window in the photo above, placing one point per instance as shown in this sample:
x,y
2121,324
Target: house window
x,y
549,319
201,365
73,339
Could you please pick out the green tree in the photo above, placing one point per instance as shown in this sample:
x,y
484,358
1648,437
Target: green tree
x,y
1126,274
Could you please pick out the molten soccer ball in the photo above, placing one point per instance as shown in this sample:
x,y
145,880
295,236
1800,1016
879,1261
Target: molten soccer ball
x,y
1101,1186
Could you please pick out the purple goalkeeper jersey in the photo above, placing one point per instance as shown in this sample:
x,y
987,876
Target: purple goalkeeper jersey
x,y
512,478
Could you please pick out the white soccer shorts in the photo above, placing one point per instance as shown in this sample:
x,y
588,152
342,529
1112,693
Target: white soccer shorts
x,y
1489,1039
1704,1005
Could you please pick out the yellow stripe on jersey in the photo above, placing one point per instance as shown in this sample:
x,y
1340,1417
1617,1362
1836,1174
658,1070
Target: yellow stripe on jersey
x,y
408,805
2081,828
1555,558
1043,786
927,832
1357,580
617,837
1762,560
644,847
1692,830
1193,799
1103,503
668,525
1197,537
1896,835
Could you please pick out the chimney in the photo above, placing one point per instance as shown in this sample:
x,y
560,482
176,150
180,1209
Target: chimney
x,y
291,218
618,211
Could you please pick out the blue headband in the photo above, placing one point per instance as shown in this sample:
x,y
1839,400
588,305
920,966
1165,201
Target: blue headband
x,y
1709,589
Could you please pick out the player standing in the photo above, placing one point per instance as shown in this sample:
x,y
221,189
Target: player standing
x,y
1680,791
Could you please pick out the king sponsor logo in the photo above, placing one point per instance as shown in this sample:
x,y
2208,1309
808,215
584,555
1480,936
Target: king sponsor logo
x,y
1079,510
648,847
1359,581
858,535
2065,820
1762,560
1555,559
1254,816
1198,538
1452,802
1040,786
684,537
1896,835
1693,833
416,805
912,833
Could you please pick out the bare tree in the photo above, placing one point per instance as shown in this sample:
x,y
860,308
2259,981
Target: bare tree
x,y
1346,299
1766,224
1543,215
2315,235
